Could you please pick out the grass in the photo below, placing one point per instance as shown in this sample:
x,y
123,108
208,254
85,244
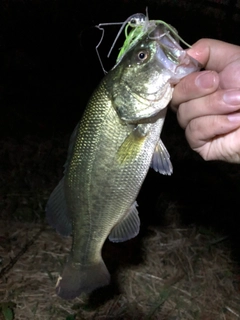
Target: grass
x,y
175,269
185,262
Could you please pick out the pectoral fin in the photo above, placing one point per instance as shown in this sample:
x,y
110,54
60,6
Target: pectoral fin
x,y
56,211
161,159
130,148
128,227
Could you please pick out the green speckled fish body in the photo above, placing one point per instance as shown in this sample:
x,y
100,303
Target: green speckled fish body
x,y
111,150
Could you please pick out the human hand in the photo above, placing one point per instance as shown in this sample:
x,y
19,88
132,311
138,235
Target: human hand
x,y
208,102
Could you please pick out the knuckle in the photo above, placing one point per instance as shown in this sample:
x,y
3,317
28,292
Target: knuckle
x,y
181,116
185,87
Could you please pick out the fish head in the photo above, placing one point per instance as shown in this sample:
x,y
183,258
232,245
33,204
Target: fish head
x,y
142,82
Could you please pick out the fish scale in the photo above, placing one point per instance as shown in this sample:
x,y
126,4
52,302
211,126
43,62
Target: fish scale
x,y
110,152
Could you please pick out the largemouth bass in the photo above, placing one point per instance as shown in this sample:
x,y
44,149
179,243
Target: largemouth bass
x,y
110,152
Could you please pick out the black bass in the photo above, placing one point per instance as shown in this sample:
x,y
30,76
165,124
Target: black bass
x,y
110,152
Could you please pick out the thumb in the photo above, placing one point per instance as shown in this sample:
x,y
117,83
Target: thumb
x,y
214,54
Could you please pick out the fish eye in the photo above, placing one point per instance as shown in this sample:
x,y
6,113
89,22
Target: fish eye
x,y
142,55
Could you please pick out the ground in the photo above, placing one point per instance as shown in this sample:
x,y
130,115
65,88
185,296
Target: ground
x,y
184,264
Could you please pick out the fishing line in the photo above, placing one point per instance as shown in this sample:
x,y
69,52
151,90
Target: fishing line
x,y
133,21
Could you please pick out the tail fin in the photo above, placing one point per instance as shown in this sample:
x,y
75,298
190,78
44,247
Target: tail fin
x,y
77,279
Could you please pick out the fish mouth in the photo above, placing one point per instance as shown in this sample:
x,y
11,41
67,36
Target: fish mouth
x,y
172,58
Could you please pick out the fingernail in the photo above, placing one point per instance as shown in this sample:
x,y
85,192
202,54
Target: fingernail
x,y
234,117
232,97
205,80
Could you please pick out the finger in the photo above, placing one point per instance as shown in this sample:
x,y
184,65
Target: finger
x,y
220,102
230,76
205,129
193,86
214,54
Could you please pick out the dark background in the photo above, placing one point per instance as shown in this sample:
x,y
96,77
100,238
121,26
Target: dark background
x,y
48,70
48,64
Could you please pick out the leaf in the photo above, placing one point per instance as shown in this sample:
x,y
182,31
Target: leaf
x,y
7,313
71,317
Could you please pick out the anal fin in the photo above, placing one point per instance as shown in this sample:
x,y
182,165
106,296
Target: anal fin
x,y
128,227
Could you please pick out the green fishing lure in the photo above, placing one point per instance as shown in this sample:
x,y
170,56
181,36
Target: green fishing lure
x,y
140,26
